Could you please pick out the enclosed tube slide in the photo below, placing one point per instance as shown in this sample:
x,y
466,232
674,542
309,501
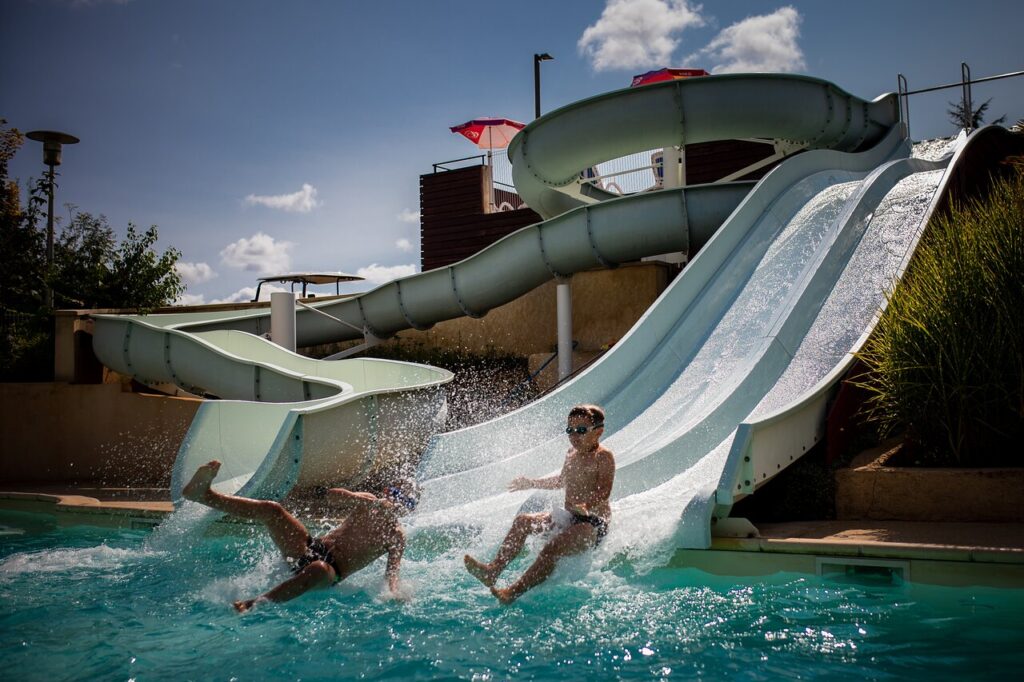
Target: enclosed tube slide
x,y
547,157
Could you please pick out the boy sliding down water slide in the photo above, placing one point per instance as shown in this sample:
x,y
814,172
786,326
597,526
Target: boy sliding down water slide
x,y
587,476
370,530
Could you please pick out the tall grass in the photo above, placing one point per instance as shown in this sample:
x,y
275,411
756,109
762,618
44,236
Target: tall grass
x,y
946,360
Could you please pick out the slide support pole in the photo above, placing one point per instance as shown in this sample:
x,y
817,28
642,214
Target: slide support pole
x,y
282,319
563,302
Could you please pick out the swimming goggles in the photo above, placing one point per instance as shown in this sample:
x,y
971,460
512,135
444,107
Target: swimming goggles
x,y
580,430
401,498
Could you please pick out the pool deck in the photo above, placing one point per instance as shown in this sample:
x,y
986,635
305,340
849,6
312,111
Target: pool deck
x,y
989,554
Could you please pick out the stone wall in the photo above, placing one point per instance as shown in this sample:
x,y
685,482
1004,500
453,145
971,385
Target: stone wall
x,y
89,433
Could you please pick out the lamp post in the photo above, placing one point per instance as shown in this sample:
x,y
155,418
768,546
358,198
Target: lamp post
x,y
537,59
52,142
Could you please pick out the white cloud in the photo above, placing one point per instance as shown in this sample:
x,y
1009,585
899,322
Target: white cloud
x,y
245,294
409,216
194,273
635,34
379,274
404,244
302,201
190,299
259,253
758,44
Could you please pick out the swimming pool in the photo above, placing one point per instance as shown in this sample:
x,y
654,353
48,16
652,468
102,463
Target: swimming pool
x,y
86,603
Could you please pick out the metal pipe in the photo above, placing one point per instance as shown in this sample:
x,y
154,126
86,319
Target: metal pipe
x,y
537,59
563,303
960,84
902,89
49,244
965,78
329,317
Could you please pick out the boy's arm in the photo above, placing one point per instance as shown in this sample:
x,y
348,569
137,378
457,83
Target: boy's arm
x,y
348,500
549,483
605,477
395,551
524,483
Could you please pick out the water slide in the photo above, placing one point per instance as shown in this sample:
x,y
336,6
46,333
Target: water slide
x,y
282,420
738,335
725,380
547,157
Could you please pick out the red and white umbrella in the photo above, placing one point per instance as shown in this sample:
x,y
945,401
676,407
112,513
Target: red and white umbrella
x,y
489,133
659,75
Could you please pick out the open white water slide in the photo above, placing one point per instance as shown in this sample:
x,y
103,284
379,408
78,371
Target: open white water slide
x,y
768,310
725,380
641,378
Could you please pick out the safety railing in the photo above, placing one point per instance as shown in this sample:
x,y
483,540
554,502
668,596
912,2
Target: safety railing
x,y
637,172
967,101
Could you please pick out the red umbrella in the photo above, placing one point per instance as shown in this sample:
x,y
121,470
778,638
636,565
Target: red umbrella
x,y
489,133
659,75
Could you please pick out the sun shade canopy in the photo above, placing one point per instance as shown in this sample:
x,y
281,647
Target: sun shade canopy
x,y
307,278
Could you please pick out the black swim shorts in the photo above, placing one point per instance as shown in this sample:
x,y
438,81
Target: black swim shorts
x,y
599,524
316,550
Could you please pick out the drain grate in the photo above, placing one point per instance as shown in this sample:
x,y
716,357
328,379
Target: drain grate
x,y
886,571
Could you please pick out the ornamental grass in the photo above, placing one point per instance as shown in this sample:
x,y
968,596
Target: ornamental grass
x,y
946,360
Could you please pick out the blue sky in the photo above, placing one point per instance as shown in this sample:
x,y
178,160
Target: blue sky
x,y
273,136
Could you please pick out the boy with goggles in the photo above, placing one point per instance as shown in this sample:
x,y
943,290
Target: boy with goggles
x,y
587,476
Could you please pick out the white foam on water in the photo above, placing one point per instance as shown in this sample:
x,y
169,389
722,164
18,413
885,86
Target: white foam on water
x,y
269,570
190,519
101,558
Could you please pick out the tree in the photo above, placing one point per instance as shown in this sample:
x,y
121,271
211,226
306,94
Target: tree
x,y
90,270
138,278
960,118
21,243
81,256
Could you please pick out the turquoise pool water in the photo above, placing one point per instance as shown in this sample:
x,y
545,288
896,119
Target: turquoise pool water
x,y
91,603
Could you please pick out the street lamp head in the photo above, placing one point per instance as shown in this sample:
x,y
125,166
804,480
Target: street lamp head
x,y
52,141
543,57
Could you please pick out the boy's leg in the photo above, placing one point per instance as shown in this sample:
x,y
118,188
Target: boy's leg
x,y
524,526
316,575
573,540
287,532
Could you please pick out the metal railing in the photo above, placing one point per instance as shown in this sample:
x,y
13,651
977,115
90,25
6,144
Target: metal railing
x,y
965,87
637,172
479,159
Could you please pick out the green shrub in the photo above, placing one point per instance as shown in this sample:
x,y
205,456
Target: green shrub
x,y
946,361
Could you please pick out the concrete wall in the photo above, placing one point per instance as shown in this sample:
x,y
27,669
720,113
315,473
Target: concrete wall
x,y
100,433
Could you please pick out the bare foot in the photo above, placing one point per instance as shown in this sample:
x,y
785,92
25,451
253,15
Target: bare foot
x,y
243,605
197,488
479,570
505,596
